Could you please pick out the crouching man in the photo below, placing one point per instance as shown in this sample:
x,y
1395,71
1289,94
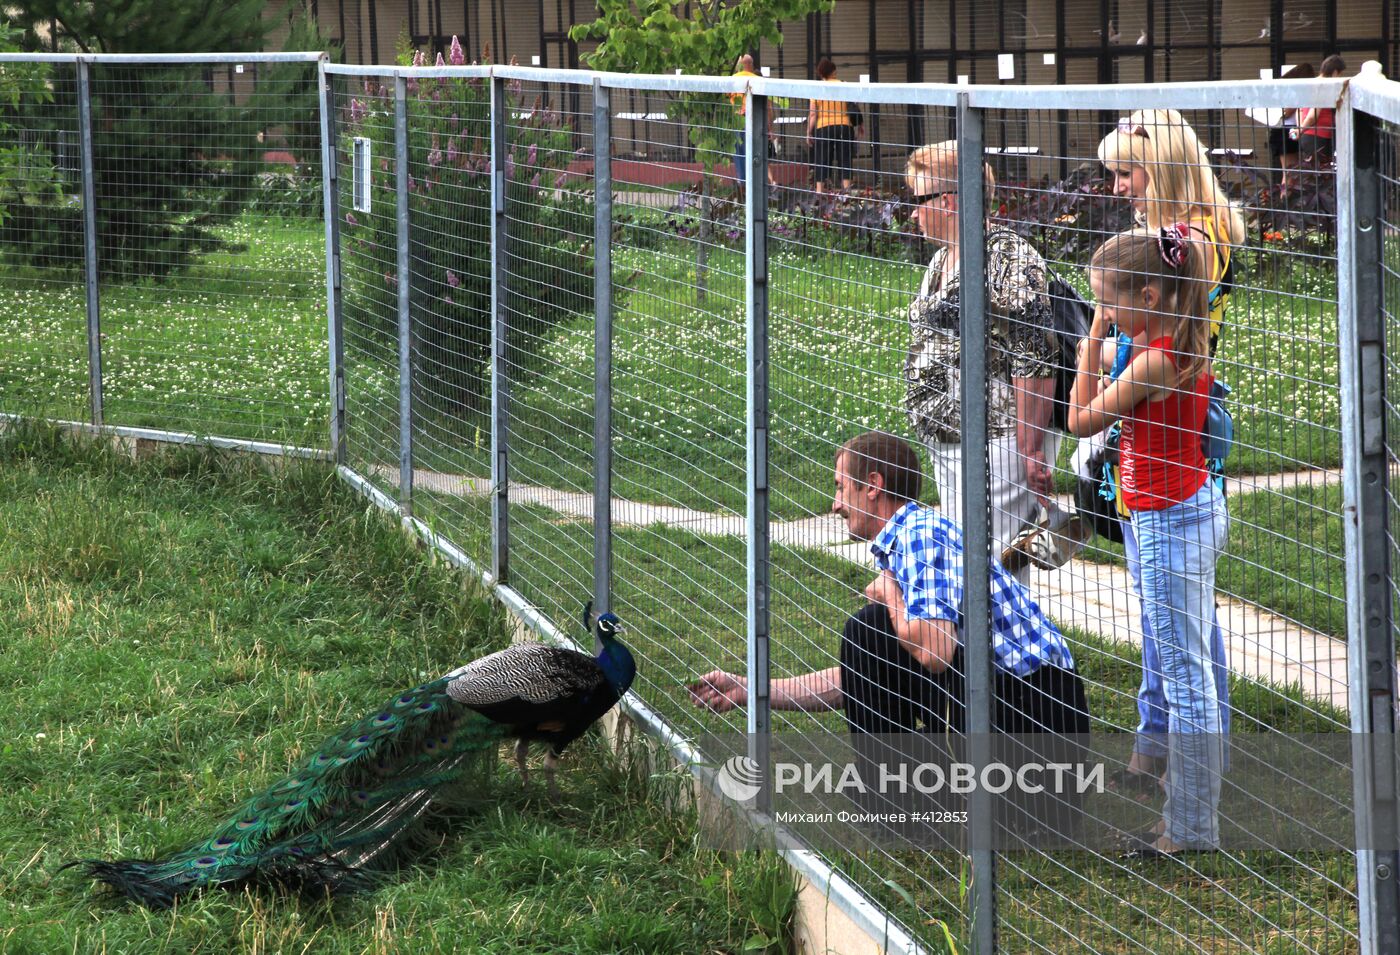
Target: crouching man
x,y
901,668
901,665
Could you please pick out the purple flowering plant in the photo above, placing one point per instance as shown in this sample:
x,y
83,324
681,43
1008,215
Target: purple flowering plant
x,y
549,232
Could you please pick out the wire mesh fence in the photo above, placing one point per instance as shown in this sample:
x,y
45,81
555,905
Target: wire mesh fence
x,y
176,207
545,249
627,371
45,365
367,218
1261,653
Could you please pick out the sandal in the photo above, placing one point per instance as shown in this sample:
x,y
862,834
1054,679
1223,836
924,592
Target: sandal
x,y
1050,544
1148,852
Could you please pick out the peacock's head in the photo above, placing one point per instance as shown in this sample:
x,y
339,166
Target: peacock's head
x,y
614,657
609,625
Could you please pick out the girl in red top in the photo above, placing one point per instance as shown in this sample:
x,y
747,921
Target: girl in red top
x,y
1154,285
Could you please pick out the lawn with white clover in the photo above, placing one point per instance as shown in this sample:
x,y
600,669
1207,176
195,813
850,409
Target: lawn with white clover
x,y
237,347
234,347
837,339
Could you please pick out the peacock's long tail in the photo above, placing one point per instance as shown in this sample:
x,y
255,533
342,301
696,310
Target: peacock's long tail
x,y
356,809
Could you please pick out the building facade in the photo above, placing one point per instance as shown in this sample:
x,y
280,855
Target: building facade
x,y
946,41
1053,41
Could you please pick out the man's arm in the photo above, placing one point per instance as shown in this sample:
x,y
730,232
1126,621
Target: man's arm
x,y
930,642
1035,398
721,691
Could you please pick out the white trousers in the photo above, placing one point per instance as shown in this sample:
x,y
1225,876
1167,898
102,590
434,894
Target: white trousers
x,y
1014,505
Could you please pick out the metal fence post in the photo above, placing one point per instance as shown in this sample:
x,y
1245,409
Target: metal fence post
x,y
976,639
94,312
602,348
335,319
756,452
500,473
401,176
1370,646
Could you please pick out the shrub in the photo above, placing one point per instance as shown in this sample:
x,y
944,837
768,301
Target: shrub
x,y
292,191
166,161
548,242
1067,220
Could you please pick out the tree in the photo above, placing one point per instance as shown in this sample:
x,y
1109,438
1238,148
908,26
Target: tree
x,y
25,175
704,37
175,151
549,240
148,26
659,36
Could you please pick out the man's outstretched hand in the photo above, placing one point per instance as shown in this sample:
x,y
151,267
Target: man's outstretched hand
x,y
719,691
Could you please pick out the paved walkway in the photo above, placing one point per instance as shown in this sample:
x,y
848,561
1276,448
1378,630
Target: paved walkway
x,y
1093,597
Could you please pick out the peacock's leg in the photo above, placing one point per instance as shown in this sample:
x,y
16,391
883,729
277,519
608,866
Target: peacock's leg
x,y
522,751
551,763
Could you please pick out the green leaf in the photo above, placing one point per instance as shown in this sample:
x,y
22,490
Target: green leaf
x,y
900,891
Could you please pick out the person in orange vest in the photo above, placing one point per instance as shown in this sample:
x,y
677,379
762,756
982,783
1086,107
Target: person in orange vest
x,y
832,129
745,68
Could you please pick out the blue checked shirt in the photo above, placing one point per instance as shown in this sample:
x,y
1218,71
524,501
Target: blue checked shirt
x,y
924,551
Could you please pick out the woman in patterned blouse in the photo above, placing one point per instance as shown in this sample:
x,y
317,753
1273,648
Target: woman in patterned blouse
x,y
1022,359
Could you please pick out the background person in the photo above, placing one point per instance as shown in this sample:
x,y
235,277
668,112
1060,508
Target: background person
x,y
744,68
1283,142
1152,284
832,129
1317,127
1022,363
1159,165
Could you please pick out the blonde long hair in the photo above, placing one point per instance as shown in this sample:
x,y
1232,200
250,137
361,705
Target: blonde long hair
x,y
1181,185
1134,260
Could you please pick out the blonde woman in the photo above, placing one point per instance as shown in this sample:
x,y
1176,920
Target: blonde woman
x,y
1159,164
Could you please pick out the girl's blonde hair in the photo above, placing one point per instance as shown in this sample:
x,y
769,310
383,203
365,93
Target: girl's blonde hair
x,y
1134,260
1181,185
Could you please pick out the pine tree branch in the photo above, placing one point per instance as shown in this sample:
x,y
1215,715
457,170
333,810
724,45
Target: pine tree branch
x,y
68,31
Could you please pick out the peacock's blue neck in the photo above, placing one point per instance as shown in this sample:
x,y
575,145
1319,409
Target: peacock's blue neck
x,y
617,664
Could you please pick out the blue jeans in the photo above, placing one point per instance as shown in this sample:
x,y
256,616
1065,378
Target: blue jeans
x,y
741,158
1177,551
1151,699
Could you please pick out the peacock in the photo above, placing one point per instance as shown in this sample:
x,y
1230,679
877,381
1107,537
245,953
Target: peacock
x,y
394,781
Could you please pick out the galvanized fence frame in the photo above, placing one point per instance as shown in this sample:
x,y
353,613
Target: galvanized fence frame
x,y
1365,104
96,420
1370,630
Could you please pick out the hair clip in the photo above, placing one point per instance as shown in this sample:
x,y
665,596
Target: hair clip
x,y
1172,242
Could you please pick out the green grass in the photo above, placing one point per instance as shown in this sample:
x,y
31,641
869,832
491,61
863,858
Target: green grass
x,y
681,596
838,338
234,347
177,631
